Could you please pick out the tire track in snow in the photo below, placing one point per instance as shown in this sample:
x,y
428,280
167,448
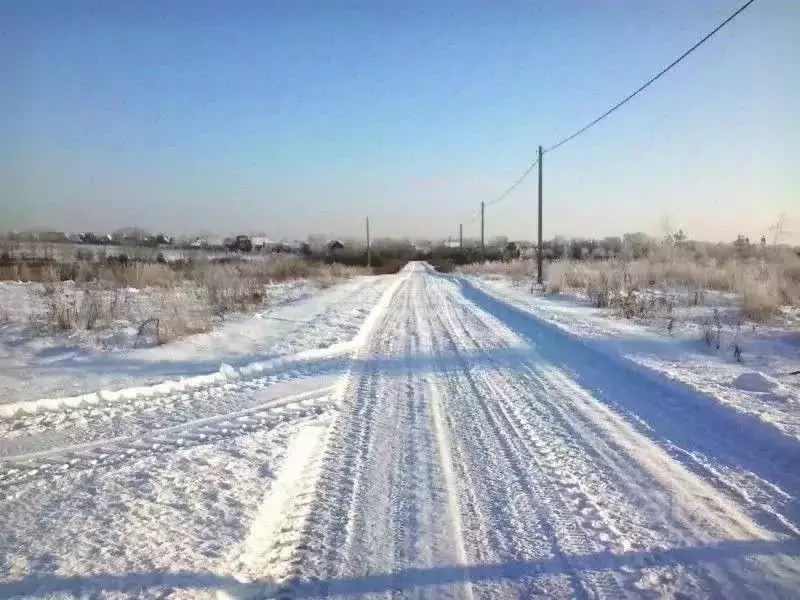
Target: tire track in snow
x,y
759,473
550,416
188,393
227,389
530,493
331,477
526,482
52,464
456,451
451,482
339,494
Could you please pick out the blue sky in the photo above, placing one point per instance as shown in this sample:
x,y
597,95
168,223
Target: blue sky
x,y
303,117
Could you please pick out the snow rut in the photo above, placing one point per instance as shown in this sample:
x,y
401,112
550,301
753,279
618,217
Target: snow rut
x,y
313,344
52,464
546,471
459,451
170,401
378,498
453,461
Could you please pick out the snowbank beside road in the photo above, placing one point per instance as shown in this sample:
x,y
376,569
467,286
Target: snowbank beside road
x,y
301,316
768,354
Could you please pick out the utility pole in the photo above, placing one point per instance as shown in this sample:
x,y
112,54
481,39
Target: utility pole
x,y
369,249
483,209
460,236
539,250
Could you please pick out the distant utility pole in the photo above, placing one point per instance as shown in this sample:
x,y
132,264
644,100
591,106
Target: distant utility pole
x,y
539,251
483,209
460,236
369,249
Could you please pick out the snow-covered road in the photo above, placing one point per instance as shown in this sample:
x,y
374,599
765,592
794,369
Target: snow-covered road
x,y
456,447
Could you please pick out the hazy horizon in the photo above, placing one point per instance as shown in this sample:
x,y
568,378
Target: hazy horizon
x,y
300,118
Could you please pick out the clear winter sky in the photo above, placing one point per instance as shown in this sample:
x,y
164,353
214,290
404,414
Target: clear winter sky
x,y
295,117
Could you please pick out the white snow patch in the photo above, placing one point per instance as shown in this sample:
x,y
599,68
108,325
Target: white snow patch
x,y
754,382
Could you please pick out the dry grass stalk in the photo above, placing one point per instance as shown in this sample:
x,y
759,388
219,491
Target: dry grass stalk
x,y
763,284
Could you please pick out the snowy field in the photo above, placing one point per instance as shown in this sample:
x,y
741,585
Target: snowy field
x,y
416,435
761,379
35,363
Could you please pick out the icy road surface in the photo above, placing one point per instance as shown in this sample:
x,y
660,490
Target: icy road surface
x,y
456,447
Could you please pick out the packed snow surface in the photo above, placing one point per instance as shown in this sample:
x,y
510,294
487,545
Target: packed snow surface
x,y
433,437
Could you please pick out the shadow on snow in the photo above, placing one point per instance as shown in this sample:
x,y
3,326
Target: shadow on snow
x,y
673,414
682,420
406,579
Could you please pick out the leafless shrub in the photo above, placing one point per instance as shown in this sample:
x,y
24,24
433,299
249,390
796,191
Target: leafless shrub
x,y
84,255
761,300
763,286
62,313
519,270
598,290
144,275
9,272
553,287
69,308
712,331
708,334
154,325
189,295
180,316
118,302
91,308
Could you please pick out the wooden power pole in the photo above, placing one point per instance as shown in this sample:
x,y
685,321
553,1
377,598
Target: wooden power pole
x,y
539,249
483,239
369,248
460,236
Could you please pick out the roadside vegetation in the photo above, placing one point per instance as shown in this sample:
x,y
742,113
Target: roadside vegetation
x,y
164,299
758,280
85,288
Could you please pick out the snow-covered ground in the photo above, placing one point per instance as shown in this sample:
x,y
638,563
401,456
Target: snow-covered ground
x,y
36,364
415,435
764,381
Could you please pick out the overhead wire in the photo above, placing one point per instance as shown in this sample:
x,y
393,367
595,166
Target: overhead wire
x,y
652,80
514,185
507,192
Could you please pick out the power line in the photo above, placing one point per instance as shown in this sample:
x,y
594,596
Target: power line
x,y
507,191
652,80
474,218
514,185
619,104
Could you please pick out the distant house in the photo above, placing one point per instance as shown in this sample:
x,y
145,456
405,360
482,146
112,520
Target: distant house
x,y
93,238
334,246
511,251
262,244
241,243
